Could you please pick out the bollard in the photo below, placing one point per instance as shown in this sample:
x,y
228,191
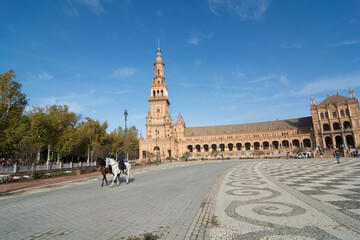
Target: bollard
x,y
71,164
15,168
60,165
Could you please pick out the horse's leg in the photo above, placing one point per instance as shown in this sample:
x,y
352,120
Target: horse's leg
x,y
106,179
103,180
118,177
128,173
112,184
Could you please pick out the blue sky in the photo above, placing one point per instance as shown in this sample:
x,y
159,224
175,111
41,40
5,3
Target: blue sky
x,y
226,61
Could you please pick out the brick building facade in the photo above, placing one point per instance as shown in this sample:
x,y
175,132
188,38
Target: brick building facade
x,y
334,122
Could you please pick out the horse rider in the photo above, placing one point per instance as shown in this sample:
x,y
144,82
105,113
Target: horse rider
x,y
121,161
110,155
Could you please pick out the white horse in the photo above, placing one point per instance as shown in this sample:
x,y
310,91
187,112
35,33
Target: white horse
x,y
116,171
127,171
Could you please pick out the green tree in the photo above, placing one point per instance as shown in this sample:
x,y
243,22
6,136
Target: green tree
x,y
12,104
92,134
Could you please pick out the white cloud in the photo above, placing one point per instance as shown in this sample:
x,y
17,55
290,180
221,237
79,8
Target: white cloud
x,y
44,76
93,5
281,78
186,85
193,40
197,62
284,80
70,11
219,81
328,84
346,42
77,102
245,9
122,73
238,74
195,37
264,78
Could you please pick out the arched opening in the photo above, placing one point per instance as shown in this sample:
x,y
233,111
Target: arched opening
x,y
154,93
338,141
326,127
256,145
307,143
238,146
230,147
336,126
347,124
296,143
328,142
206,148
350,141
222,147
266,145
198,148
247,146
347,112
144,154
156,148
213,147
162,92
158,71
275,144
285,144
190,148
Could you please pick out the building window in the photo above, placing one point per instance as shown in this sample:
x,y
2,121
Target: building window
x,y
326,115
322,115
347,112
334,114
342,113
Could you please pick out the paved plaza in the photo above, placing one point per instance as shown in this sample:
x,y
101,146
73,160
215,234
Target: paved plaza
x,y
247,199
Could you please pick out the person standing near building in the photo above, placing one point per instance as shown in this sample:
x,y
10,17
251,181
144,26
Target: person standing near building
x,y
337,157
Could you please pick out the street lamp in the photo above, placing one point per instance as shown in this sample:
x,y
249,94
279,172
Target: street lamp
x,y
125,114
157,148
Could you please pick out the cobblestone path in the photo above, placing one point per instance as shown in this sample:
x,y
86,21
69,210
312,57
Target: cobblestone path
x,y
161,202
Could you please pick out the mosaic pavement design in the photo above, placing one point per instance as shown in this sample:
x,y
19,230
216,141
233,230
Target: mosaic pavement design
x,y
249,206
336,185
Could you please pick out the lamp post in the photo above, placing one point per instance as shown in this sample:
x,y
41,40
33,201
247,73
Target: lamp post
x,y
125,114
157,148
170,151
344,146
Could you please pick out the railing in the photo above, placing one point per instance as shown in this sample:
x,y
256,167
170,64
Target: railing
x,y
43,167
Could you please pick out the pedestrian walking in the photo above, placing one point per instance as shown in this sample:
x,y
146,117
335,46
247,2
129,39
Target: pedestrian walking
x,y
337,157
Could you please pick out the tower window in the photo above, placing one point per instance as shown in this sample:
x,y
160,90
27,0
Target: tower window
x,y
158,71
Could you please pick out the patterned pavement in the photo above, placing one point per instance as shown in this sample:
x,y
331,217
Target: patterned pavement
x,y
335,185
289,199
